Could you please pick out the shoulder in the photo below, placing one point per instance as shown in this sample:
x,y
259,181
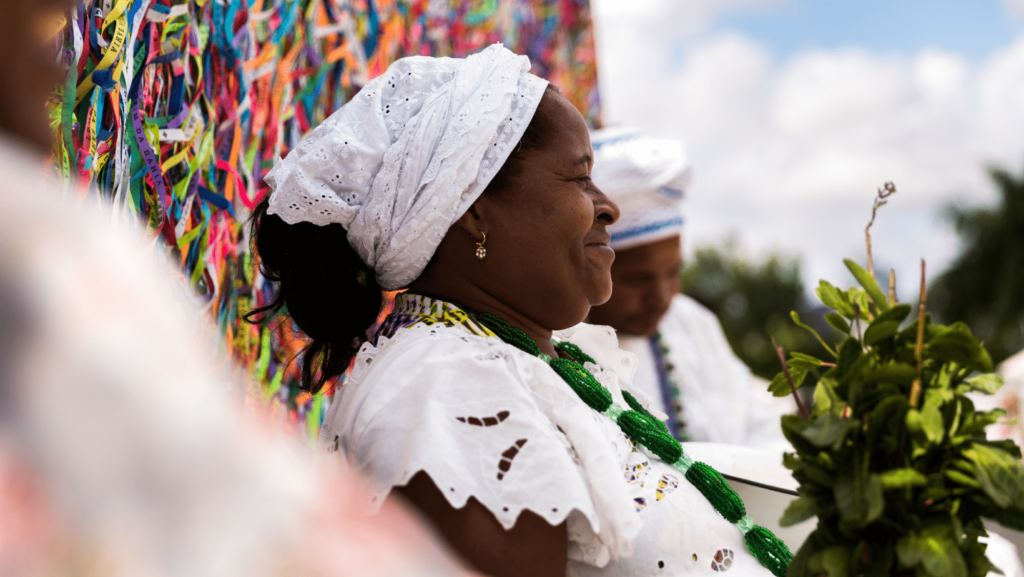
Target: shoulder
x,y
461,409
421,365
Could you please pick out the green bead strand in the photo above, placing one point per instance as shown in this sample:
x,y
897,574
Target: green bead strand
x,y
683,464
723,498
575,352
583,383
508,333
639,425
745,524
769,550
658,441
635,405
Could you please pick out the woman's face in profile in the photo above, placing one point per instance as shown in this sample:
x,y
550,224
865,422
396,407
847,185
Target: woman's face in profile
x,y
548,243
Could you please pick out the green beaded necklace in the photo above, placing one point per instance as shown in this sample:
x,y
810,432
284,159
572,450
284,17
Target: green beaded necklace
x,y
643,428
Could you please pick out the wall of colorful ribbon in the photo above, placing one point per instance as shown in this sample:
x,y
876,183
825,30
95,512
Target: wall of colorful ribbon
x,y
174,111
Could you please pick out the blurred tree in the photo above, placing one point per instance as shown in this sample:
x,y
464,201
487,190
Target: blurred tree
x,y
753,302
984,287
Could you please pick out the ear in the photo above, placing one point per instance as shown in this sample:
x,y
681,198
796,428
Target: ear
x,y
474,220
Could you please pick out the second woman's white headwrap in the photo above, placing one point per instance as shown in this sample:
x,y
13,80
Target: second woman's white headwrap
x,y
408,155
646,177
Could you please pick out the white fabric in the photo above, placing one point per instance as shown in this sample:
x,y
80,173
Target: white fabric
x,y
407,408
647,178
408,155
122,450
722,401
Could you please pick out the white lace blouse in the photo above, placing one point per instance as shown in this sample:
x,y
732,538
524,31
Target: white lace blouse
x,y
439,393
722,402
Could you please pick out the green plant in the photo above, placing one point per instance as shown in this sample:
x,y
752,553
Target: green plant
x,y
893,459
752,298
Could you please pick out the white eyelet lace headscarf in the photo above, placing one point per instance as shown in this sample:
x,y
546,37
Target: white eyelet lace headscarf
x,y
408,155
647,178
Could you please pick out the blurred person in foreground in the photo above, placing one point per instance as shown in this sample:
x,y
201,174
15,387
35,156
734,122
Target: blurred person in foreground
x,y
684,360
122,449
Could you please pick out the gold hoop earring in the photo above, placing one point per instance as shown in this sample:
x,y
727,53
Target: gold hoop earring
x,y
481,252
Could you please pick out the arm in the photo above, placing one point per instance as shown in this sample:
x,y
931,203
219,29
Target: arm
x,y
531,548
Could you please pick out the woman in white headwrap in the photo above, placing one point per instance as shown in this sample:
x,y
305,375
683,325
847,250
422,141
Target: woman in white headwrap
x,y
684,361
468,182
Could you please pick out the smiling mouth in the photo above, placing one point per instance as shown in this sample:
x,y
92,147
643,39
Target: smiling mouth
x,y
602,240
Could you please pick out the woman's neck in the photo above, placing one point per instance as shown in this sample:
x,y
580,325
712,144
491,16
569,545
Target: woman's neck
x,y
477,300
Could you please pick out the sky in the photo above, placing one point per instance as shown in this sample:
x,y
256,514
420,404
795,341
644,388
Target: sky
x,y
794,112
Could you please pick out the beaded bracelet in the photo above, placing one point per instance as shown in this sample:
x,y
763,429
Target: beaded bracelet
x,y
643,428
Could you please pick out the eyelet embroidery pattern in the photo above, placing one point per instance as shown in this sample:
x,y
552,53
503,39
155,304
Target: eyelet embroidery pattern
x,y
506,458
722,561
666,485
641,503
485,421
395,192
637,467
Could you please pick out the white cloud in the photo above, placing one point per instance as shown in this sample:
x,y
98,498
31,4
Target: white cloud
x,y
788,155
1014,7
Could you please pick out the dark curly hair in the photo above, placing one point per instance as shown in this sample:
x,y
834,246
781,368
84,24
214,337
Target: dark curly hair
x,y
324,285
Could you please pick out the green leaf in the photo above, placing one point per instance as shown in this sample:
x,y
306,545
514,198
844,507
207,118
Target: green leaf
x,y
1010,518
834,299
898,313
956,343
798,511
898,373
870,285
859,499
801,360
835,561
836,321
986,384
859,298
977,562
792,428
825,396
938,557
796,319
849,352
888,417
976,423
879,331
927,421
901,478
828,429
1001,476
779,386
937,397
961,478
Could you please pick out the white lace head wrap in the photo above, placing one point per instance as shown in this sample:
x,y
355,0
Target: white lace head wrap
x,y
407,156
646,177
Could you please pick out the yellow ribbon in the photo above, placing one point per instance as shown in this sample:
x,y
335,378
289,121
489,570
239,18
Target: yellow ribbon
x,y
113,49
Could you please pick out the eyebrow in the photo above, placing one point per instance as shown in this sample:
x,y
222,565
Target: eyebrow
x,y
585,159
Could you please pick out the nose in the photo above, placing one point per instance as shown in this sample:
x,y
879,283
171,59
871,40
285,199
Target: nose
x,y
605,211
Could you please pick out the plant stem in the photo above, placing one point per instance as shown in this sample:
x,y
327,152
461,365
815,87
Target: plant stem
x,y
915,389
785,369
885,191
892,288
